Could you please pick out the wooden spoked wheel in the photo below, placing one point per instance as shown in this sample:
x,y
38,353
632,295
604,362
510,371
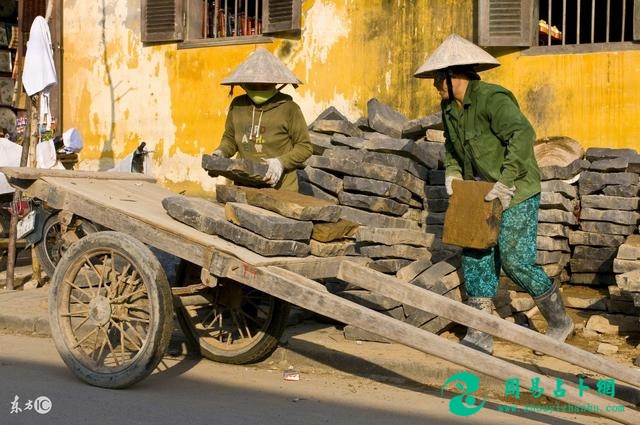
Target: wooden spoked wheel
x,y
234,323
52,246
111,310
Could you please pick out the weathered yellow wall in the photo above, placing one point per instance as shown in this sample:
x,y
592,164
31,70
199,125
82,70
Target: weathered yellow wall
x,y
117,92
590,97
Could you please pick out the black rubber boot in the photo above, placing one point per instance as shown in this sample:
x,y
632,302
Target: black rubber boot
x,y
550,304
474,338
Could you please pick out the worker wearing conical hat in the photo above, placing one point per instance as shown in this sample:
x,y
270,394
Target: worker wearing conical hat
x,y
265,124
488,138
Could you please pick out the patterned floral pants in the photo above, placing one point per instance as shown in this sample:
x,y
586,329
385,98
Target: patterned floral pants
x,y
515,253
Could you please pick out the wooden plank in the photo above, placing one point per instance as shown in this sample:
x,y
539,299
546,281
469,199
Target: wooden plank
x,y
460,313
318,268
313,296
20,243
135,208
28,173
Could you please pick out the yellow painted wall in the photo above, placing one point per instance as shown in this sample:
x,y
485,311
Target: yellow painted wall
x,y
590,97
117,92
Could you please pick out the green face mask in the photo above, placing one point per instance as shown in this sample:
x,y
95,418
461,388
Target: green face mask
x,y
260,96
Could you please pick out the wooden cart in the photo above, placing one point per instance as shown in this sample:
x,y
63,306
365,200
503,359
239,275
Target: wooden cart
x,y
111,308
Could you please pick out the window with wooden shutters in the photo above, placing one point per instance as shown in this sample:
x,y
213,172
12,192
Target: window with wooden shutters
x,y
162,20
197,23
605,24
506,22
282,17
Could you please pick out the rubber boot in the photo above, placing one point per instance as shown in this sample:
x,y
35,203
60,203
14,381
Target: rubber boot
x,y
559,324
474,338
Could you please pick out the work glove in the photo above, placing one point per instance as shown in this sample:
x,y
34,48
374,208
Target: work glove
x,y
448,183
219,153
274,172
501,192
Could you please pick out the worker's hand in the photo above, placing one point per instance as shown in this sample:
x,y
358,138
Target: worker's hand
x,y
501,192
448,183
219,153
274,172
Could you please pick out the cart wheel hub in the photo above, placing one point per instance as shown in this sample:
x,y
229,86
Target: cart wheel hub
x,y
231,296
100,310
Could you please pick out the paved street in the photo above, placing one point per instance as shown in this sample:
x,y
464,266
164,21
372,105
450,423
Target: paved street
x,y
194,391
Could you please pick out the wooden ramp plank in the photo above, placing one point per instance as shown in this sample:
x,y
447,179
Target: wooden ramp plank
x,y
460,313
313,296
28,173
135,207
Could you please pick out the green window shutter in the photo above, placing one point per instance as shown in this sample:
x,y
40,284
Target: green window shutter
x,y
162,20
507,22
281,17
636,20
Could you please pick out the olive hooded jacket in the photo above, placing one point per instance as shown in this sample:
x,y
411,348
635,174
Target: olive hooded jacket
x,y
275,129
491,140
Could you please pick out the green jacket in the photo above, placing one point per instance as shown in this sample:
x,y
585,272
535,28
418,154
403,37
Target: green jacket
x,y
275,129
491,140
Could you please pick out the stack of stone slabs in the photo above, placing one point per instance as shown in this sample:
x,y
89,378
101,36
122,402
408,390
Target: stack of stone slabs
x,y
608,214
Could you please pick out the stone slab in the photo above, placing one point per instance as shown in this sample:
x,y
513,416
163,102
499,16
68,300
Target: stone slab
x,y
329,232
287,203
372,203
605,202
394,251
579,237
241,171
267,223
376,187
371,219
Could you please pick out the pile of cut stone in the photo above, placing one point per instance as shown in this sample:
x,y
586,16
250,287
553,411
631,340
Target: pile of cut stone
x,y
384,174
371,185
587,238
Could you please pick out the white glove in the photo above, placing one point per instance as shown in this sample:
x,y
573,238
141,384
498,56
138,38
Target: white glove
x,y
219,153
448,183
274,172
501,192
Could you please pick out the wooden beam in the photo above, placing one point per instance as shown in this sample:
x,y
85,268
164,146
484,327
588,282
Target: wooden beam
x,y
36,173
460,313
313,296
135,208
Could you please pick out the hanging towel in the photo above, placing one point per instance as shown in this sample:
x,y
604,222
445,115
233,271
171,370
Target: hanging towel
x,y
10,154
39,70
45,154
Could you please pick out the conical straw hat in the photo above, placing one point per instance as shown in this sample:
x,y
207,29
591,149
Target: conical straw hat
x,y
261,67
453,51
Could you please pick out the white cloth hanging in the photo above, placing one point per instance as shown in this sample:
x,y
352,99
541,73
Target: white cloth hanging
x,y
46,154
10,154
39,69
